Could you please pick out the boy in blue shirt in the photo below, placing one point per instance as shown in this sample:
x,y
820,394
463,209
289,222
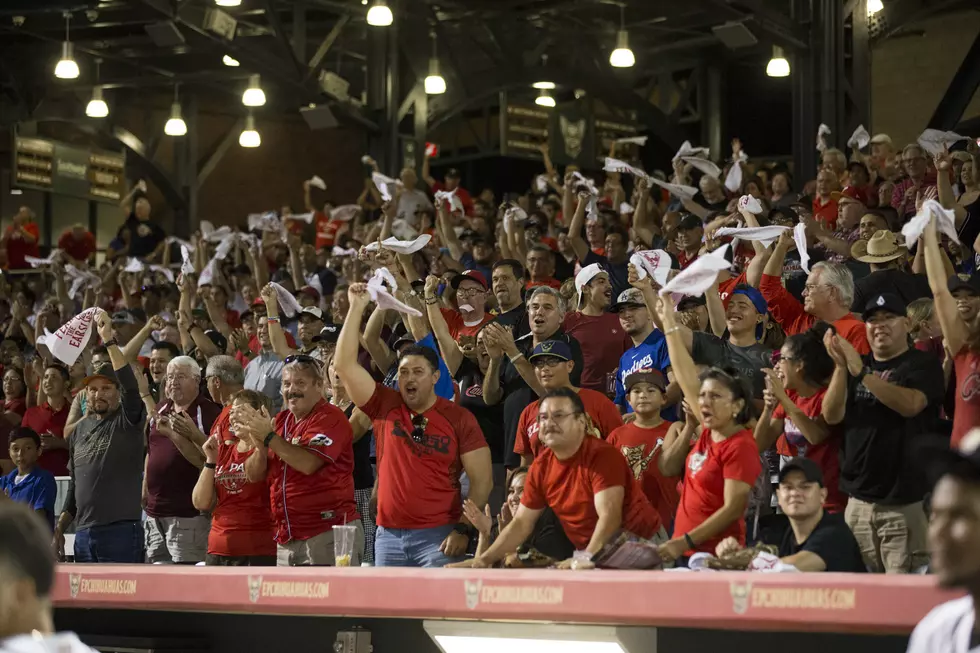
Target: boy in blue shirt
x,y
29,484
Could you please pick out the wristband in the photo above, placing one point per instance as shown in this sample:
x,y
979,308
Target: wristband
x,y
463,529
689,540
272,319
111,342
268,439
671,330
515,357
210,466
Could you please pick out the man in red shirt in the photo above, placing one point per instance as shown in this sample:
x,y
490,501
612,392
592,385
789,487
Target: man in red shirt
x,y
451,179
828,296
21,239
308,454
690,234
471,298
553,364
824,202
78,244
327,229
48,420
423,443
176,532
602,336
584,480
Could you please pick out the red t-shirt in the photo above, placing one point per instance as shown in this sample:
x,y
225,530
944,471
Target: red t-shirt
x,y
967,412
725,288
603,343
233,318
464,197
16,406
709,465
825,213
458,328
241,522
569,487
792,444
295,226
684,260
170,478
326,230
77,248
551,282
306,505
45,420
603,412
18,248
418,482
642,448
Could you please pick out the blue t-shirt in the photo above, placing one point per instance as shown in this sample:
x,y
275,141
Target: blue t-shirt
x,y
649,354
38,490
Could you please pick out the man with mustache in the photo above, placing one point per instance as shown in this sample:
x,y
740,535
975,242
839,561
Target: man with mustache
x,y
508,286
307,453
105,461
424,442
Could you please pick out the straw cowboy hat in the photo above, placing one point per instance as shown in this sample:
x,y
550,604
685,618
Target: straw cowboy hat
x,y
881,248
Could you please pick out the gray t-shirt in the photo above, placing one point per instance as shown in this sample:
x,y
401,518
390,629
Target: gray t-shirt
x,y
708,349
264,374
106,461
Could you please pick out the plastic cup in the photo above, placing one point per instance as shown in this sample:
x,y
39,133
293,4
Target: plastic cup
x,y
343,544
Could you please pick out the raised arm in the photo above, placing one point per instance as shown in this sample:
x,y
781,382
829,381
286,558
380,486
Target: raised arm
x,y
277,336
575,228
955,330
373,342
360,386
451,352
945,188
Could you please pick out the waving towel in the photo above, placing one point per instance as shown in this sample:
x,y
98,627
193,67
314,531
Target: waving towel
x,y
67,343
945,223
380,287
699,275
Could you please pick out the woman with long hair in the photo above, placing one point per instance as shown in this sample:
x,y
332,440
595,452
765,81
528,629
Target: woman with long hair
x,y
722,466
791,414
14,395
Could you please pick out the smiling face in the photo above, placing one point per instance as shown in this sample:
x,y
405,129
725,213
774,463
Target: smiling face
x,y
13,386
954,532
595,233
53,382
515,491
871,224
817,296
826,182
159,358
598,292
302,388
967,304
309,326
914,162
416,381
798,497
473,294
887,333
741,316
559,423
183,384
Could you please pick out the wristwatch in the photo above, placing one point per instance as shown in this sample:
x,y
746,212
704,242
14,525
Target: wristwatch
x,y
111,342
210,466
866,370
268,439
463,529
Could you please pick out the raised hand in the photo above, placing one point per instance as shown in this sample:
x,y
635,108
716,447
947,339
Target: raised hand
x,y
210,449
358,295
479,518
103,325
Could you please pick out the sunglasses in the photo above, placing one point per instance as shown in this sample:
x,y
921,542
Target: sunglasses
x,y
302,358
419,422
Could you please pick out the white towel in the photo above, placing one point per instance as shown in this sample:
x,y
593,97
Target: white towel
x,y
36,262
653,262
799,237
635,140
626,207
750,204
765,235
541,183
80,279
699,275
67,343
207,274
345,212
677,190
400,246
187,265
386,185
208,232
455,204
823,131
318,182
164,270
706,166
133,265
859,139
340,251
588,182
380,287
223,249
268,221
181,242
945,223
592,209
615,165
305,217
687,149
286,300
935,141
733,180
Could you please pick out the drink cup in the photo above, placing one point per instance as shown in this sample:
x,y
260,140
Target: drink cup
x,y
343,544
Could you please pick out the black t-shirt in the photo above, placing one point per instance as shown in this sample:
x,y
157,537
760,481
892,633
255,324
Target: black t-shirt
x,y
143,237
490,418
832,540
875,463
363,474
717,206
618,272
328,280
897,282
516,320
517,395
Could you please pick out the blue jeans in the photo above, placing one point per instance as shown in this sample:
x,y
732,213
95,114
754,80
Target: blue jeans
x,y
121,541
411,547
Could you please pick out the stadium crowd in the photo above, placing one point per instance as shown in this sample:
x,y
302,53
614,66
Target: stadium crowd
x,y
720,366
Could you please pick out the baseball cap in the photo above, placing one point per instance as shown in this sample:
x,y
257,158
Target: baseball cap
x,y
629,297
311,291
200,314
553,348
811,470
329,333
472,275
404,339
850,194
652,376
884,302
957,283
103,371
690,302
452,173
878,139
585,275
312,312
123,317
690,221
258,301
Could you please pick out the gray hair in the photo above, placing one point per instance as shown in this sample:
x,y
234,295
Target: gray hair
x,y
186,362
838,276
551,292
226,369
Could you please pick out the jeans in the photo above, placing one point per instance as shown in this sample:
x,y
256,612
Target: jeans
x,y
121,541
411,547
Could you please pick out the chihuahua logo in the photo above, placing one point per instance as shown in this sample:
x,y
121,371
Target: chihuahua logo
x,y
637,461
254,588
74,584
740,596
572,133
473,590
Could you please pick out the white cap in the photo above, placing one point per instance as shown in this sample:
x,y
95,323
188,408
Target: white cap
x,y
584,276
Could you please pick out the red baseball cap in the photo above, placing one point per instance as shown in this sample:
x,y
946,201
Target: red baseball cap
x,y
850,194
311,291
472,275
258,301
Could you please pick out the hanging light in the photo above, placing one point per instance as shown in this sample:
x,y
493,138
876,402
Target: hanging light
x,y
253,96
228,3
544,86
544,99
175,125
622,56
435,84
249,136
874,6
66,68
379,15
228,61
96,107
778,65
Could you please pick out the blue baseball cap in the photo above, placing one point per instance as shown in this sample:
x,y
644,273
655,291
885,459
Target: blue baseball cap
x,y
757,300
553,348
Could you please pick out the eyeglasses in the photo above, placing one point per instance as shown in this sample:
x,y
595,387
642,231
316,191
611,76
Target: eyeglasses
x,y
810,287
419,422
546,361
778,356
180,378
469,293
555,417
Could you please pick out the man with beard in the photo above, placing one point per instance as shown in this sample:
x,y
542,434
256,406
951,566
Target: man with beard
x,y
105,461
160,356
424,442
307,451
602,337
510,377
954,541
508,288
176,532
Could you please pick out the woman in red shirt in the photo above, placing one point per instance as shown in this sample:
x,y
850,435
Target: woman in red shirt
x,y
791,417
14,395
241,525
723,464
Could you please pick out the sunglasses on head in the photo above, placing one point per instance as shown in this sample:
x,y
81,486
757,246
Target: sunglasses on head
x,y
301,358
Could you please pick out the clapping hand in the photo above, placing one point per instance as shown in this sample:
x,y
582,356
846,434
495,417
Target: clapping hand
x,y
480,519
210,449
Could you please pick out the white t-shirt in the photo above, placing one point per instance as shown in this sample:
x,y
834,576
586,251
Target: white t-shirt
x,y
60,643
947,629
410,203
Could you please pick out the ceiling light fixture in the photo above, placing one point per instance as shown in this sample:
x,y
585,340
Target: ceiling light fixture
x,y
874,6
249,136
778,65
96,107
544,99
228,3
253,96
622,56
228,61
175,125
67,68
379,15
435,83
544,86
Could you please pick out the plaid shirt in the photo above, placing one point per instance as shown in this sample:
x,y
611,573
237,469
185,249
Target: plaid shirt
x,y
906,208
